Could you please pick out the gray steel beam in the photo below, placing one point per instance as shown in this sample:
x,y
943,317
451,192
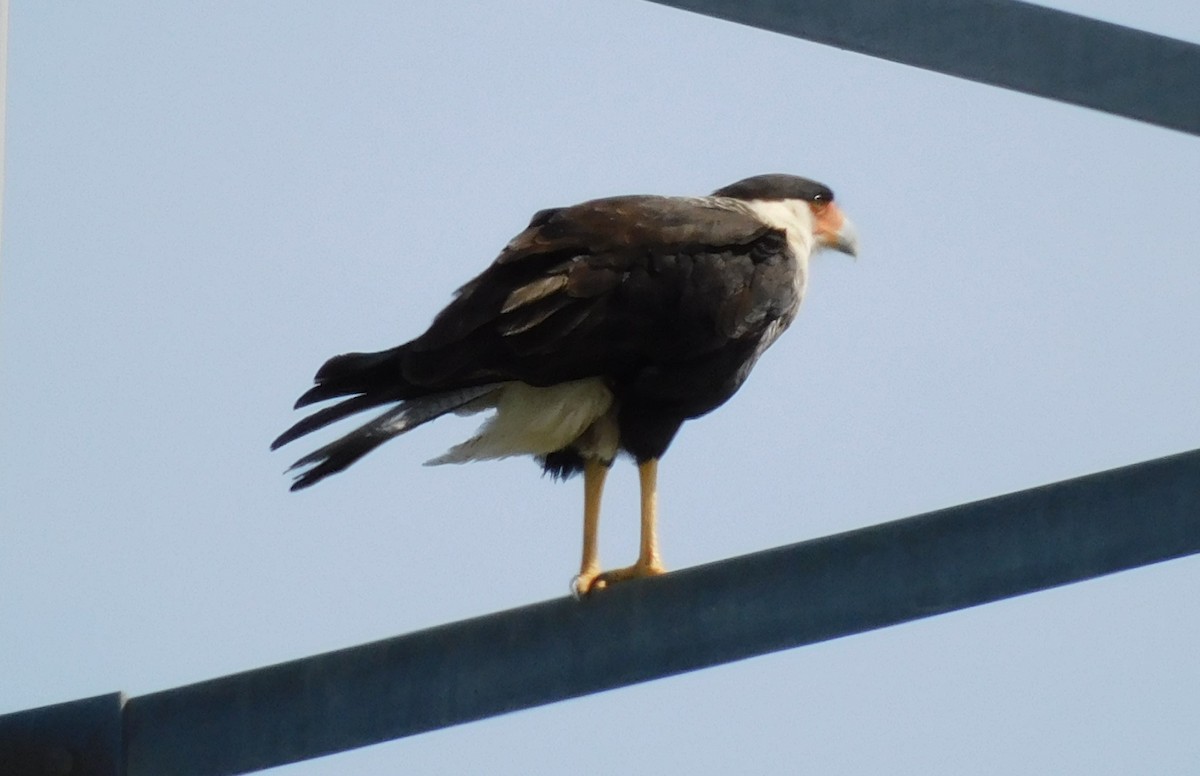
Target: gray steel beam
x,y
78,738
691,619
1020,46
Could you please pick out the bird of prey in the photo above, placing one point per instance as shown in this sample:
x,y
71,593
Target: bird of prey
x,y
599,329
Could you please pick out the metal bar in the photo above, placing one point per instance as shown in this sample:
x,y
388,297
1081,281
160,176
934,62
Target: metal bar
x,y
699,617
1020,46
79,738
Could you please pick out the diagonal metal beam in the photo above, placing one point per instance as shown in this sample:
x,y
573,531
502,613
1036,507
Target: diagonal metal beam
x,y
1020,46
699,617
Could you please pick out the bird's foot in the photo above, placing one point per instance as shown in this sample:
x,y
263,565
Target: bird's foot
x,y
591,580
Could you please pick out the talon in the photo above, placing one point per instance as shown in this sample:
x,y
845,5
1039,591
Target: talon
x,y
636,571
586,583
582,584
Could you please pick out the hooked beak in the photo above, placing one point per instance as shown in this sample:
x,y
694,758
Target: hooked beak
x,y
846,239
834,230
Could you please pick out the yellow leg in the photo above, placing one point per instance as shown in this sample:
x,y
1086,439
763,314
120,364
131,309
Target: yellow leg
x,y
649,563
594,474
648,557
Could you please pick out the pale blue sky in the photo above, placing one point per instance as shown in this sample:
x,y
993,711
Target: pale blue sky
x,y
206,200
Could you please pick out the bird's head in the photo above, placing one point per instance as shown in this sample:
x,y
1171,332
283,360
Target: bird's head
x,y
802,199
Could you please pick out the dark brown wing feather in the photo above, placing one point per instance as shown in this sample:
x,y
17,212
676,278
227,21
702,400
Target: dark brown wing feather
x,y
611,233
667,299
628,288
604,287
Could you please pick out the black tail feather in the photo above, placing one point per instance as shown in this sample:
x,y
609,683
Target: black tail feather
x,y
339,454
352,373
322,418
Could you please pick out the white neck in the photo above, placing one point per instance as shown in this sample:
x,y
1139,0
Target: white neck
x,y
794,217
